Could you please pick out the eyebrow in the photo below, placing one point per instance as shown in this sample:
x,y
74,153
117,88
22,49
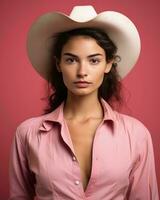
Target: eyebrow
x,y
73,55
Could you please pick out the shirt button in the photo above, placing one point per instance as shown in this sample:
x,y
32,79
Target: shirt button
x,y
76,182
74,158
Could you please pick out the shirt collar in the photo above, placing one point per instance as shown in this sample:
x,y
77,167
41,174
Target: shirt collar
x,y
58,117
55,116
109,113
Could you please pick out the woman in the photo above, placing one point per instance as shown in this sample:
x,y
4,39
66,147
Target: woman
x,y
82,148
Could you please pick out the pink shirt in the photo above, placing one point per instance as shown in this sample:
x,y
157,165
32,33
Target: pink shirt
x,y
43,161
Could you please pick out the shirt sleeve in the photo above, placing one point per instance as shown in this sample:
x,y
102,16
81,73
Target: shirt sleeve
x,y
143,183
21,179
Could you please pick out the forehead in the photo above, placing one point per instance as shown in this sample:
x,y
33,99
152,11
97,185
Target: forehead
x,y
82,45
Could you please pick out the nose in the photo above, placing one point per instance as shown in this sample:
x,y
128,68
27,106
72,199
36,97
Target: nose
x,y
82,70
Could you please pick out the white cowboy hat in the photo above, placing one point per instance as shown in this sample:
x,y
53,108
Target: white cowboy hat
x,y
119,28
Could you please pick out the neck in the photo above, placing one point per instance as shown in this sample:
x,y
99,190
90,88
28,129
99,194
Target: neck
x,y
82,107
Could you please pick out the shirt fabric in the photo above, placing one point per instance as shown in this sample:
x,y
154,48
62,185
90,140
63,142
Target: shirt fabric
x,y
43,161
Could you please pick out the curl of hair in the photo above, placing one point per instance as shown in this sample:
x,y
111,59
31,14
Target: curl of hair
x,y
110,89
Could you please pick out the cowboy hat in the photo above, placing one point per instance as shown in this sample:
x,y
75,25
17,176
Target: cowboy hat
x,y
119,28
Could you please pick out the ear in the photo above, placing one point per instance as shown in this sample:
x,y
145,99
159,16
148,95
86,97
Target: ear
x,y
108,67
57,65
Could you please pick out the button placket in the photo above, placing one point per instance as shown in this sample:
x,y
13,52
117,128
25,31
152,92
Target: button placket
x,y
95,168
77,177
76,182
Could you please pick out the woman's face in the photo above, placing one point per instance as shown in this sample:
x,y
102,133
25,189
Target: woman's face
x,y
83,64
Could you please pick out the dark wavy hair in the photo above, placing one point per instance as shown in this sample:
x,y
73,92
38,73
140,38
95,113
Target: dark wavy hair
x,y
110,89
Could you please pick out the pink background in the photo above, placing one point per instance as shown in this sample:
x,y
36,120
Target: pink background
x,y
21,88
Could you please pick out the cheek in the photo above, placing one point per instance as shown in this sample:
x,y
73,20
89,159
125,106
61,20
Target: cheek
x,y
99,76
99,79
67,75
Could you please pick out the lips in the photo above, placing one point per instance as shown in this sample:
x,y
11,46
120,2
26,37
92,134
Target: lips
x,y
82,84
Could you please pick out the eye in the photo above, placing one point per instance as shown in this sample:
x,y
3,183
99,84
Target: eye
x,y
94,61
70,60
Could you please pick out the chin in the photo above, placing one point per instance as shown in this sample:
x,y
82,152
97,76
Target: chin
x,y
82,92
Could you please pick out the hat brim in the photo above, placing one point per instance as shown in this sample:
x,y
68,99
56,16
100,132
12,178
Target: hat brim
x,y
119,28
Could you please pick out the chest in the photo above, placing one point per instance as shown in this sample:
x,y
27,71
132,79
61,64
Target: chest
x,y
82,136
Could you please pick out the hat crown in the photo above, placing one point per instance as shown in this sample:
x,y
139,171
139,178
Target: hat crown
x,y
83,13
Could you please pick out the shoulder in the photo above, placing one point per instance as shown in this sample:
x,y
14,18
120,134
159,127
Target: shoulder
x,y
29,127
133,127
31,123
32,127
126,125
